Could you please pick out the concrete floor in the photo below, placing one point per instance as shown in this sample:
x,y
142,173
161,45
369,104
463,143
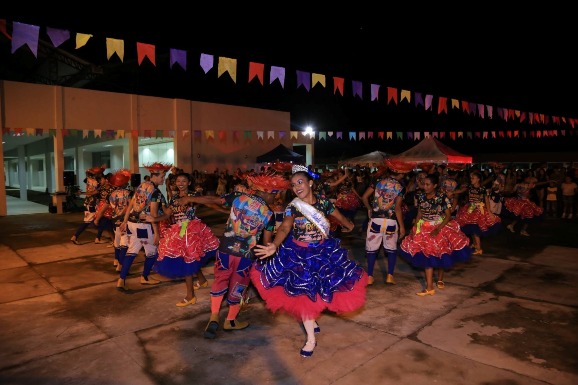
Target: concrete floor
x,y
506,317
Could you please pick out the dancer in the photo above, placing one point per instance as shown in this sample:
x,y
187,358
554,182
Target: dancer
x,y
521,208
475,218
147,199
115,205
103,220
436,240
90,200
251,218
386,223
187,244
310,271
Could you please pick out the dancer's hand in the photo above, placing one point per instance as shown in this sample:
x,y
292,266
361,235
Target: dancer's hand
x,y
264,251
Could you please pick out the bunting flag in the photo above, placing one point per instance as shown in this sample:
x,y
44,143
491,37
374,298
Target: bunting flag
x,y
236,136
277,73
304,79
270,134
481,111
25,34
339,135
442,105
209,134
207,62
178,56
357,89
197,135
294,134
3,29
361,135
115,46
222,134
374,92
392,95
428,101
185,133
418,97
406,95
82,39
338,85
57,36
259,135
247,135
318,79
322,135
455,104
352,135
228,65
490,112
256,70
146,50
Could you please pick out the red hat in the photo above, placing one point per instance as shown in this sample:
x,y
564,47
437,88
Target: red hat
x,y
96,170
158,167
398,166
120,178
269,183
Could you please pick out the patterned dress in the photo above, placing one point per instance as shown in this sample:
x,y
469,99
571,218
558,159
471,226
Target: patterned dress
x,y
475,218
186,244
448,247
310,272
520,207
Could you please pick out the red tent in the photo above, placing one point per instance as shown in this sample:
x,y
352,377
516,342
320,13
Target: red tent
x,y
430,150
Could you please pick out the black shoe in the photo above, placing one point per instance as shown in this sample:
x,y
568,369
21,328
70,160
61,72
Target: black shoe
x,y
211,330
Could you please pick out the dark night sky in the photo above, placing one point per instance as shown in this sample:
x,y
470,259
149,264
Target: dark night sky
x,y
520,59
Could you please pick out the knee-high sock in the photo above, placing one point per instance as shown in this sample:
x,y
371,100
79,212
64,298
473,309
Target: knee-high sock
x,y
148,265
371,257
391,260
127,263
216,304
121,254
233,311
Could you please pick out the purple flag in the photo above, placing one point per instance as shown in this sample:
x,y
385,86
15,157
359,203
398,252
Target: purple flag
x,y
207,62
304,79
277,73
356,85
57,36
418,98
180,57
374,91
25,34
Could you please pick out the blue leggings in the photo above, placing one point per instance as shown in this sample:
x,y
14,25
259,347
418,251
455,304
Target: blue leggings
x,y
372,257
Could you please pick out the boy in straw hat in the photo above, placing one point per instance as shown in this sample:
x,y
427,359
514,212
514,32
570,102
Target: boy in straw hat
x,y
251,218
147,199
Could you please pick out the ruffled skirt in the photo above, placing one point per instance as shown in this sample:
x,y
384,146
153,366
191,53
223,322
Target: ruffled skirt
x,y
305,281
181,245
448,247
474,220
523,210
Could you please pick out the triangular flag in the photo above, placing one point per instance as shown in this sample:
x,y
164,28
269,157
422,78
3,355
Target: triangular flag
x,y
178,56
374,92
82,39
357,88
57,36
338,85
406,95
277,73
207,62
318,78
115,46
25,34
392,94
145,50
304,79
256,70
228,65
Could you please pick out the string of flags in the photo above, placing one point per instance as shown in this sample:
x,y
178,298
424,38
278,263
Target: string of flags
x,y
27,35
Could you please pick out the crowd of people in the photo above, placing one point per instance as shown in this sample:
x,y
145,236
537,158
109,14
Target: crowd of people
x,y
284,228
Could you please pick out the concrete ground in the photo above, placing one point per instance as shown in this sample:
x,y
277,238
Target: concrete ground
x,y
507,317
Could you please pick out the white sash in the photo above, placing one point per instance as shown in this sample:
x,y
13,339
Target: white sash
x,y
313,215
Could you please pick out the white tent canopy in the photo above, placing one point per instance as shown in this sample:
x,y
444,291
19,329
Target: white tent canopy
x,y
372,159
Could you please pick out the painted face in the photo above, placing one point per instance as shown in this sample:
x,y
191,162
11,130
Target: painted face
x,y
301,185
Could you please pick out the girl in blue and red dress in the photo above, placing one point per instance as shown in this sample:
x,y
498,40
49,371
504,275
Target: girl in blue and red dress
x,y
521,208
310,271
